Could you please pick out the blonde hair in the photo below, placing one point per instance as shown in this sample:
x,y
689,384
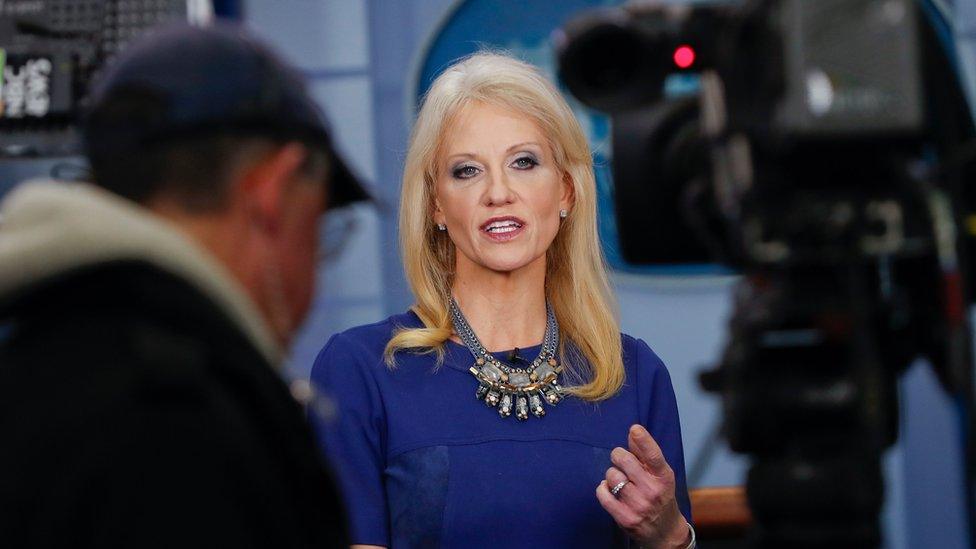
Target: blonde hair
x,y
576,275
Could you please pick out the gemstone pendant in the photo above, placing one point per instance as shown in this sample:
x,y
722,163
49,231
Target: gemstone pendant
x,y
519,379
552,397
491,399
543,371
505,406
522,408
482,391
535,404
492,372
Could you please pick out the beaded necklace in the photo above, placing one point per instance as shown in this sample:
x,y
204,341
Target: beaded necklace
x,y
508,388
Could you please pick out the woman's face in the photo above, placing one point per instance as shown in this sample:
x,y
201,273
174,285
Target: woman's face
x,y
498,189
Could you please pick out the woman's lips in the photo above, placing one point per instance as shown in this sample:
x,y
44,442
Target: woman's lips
x,y
502,229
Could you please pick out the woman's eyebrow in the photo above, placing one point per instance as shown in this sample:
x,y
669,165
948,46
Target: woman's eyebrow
x,y
461,155
509,150
517,145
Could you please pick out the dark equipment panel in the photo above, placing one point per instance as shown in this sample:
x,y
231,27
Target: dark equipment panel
x,y
50,50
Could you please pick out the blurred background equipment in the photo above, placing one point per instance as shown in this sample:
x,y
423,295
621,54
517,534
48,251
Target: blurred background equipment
x,y
826,151
616,61
50,51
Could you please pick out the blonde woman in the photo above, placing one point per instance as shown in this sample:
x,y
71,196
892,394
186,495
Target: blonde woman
x,y
504,409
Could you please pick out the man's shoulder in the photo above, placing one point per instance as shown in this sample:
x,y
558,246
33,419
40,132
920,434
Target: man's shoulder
x,y
76,380
121,327
117,299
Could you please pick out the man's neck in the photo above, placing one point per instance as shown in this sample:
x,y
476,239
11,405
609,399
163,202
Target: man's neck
x,y
506,310
224,237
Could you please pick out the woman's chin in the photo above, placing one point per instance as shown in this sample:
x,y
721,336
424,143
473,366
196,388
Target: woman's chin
x,y
506,265
497,260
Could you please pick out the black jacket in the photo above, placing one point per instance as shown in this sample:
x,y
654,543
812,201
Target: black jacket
x,y
135,413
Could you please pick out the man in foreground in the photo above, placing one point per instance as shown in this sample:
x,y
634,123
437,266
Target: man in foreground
x,y
142,320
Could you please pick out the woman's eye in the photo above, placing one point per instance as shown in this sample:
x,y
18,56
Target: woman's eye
x,y
465,172
525,163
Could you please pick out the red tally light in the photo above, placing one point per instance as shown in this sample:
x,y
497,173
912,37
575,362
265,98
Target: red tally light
x,y
684,57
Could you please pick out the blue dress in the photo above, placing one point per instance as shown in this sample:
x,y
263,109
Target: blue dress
x,y
422,463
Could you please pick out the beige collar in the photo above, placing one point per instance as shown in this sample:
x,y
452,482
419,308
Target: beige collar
x,y
48,227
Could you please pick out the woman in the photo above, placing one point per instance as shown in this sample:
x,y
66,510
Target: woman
x,y
498,232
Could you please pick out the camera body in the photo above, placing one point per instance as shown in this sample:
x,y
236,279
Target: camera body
x,y
818,154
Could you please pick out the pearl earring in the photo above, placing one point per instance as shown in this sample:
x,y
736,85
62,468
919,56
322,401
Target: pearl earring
x,y
441,227
563,213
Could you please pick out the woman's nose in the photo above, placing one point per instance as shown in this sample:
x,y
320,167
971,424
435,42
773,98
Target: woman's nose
x,y
499,191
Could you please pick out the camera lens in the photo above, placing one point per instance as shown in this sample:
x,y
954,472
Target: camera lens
x,y
604,62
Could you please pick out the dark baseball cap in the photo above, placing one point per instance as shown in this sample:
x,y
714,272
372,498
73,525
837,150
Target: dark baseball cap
x,y
206,80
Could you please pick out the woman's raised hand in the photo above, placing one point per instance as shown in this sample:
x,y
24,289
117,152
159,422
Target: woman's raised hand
x,y
639,494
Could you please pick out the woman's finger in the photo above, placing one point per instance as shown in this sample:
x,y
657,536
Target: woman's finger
x,y
646,449
621,513
615,476
629,494
632,467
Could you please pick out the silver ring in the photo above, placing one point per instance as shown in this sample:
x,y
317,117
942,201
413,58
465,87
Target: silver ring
x,y
620,486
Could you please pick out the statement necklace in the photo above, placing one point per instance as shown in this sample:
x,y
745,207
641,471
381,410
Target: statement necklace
x,y
506,387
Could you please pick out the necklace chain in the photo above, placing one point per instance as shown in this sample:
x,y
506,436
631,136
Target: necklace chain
x,y
506,387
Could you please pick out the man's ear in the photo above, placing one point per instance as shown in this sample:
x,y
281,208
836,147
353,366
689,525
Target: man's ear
x,y
265,184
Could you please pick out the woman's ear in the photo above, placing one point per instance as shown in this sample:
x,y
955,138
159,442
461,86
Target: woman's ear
x,y
568,198
438,213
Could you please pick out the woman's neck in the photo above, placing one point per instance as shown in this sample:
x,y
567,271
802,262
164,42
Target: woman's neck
x,y
505,310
